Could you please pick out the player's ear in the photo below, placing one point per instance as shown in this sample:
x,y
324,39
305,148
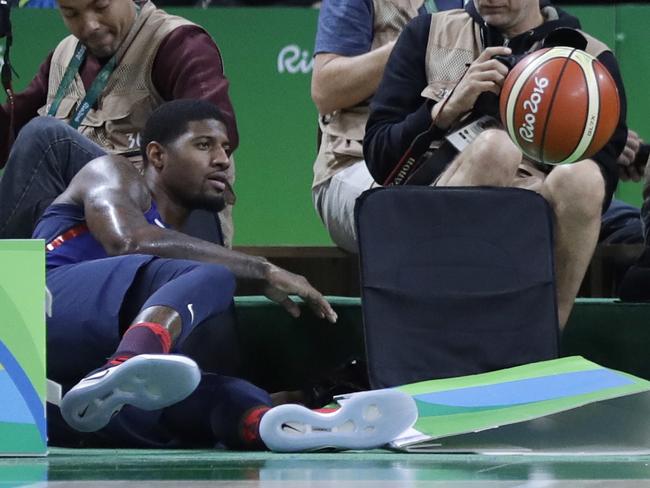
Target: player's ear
x,y
156,154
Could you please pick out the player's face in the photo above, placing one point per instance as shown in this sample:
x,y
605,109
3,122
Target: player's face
x,y
100,25
195,173
511,17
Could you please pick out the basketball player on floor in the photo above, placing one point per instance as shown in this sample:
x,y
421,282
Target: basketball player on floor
x,y
426,82
114,263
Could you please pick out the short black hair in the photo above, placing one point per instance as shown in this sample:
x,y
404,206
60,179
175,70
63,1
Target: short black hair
x,y
169,121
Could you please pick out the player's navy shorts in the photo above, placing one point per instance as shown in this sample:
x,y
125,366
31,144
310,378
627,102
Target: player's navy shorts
x,y
86,300
84,330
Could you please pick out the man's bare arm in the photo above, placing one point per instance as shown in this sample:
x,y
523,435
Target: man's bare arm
x,y
341,81
114,197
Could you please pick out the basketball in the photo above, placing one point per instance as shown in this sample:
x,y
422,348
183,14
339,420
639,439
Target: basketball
x,y
559,105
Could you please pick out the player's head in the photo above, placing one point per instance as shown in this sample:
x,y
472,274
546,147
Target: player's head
x,y
186,151
100,25
511,17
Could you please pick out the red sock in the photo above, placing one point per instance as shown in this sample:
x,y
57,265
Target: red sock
x,y
141,338
249,431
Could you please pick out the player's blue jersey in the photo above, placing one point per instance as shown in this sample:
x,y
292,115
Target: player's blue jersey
x,y
68,240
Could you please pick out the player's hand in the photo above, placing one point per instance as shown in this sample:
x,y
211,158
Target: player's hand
x,y
281,283
485,74
627,170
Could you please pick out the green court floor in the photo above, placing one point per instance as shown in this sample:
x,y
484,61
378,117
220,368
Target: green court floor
x,y
122,468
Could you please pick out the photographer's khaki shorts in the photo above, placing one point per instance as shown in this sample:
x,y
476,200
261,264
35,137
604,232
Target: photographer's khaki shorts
x,y
334,201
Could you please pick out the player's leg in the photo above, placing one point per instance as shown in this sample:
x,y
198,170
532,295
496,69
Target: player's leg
x,y
239,415
167,300
177,296
576,193
222,410
365,420
45,156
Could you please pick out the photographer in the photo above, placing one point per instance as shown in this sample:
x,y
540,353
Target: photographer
x,y
439,67
353,42
123,60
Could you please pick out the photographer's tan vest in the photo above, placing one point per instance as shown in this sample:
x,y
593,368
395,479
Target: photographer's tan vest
x,y
343,130
455,41
129,96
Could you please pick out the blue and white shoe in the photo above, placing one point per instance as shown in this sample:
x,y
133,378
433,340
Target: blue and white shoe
x,y
366,420
146,381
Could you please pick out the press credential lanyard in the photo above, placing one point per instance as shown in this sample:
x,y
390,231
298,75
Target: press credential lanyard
x,y
96,88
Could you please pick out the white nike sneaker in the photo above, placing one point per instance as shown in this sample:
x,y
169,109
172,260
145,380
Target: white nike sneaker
x,y
366,420
146,381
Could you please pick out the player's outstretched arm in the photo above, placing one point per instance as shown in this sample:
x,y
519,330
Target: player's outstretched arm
x,y
115,197
281,283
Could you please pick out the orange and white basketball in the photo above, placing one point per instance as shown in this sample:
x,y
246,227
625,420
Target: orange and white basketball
x,y
559,105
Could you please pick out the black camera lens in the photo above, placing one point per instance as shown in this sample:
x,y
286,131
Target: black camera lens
x,y
508,61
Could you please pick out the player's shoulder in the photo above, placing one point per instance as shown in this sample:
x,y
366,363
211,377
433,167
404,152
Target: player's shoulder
x,y
109,169
109,174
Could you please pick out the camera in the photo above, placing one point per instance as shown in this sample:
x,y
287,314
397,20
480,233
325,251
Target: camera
x,y
488,103
562,36
422,167
511,60
5,24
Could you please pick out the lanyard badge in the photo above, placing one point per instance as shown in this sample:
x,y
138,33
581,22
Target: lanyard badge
x,y
95,90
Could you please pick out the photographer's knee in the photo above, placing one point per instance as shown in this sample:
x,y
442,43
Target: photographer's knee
x,y
43,129
577,189
496,157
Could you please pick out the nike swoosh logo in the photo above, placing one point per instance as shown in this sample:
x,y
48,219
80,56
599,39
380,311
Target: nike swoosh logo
x,y
159,223
83,412
289,426
190,307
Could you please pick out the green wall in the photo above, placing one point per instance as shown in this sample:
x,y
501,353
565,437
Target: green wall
x,y
625,29
277,120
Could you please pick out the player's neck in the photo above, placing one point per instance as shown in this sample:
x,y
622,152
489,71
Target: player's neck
x,y
173,212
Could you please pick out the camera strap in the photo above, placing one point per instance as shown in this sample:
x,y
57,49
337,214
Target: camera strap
x,y
412,157
98,85
410,160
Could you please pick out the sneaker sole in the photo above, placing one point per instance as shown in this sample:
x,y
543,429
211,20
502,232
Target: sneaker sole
x,y
148,382
366,420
